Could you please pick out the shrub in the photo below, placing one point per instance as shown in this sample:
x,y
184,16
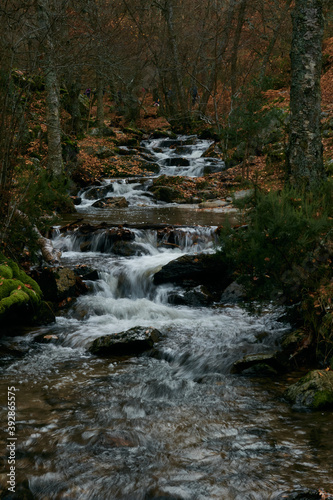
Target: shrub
x,y
286,253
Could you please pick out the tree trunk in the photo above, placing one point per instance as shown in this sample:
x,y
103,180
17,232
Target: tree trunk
x,y
177,74
100,102
276,32
54,162
234,53
54,159
305,151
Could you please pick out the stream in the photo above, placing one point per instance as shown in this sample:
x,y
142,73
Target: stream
x,y
173,424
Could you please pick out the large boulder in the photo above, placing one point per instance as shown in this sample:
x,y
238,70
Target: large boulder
x,y
20,297
166,193
193,270
314,391
133,341
59,284
118,240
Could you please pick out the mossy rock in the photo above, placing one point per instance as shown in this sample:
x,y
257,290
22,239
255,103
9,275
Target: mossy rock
x,y
166,193
20,295
6,271
314,391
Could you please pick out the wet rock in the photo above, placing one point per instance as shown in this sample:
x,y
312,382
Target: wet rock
x,y
314,391
76,200
214,204
257,364
86,273
110,202
58,284
178,162
126,151
214,168
133,341
196,297
193,270
98,192
102,240
301,495
47,339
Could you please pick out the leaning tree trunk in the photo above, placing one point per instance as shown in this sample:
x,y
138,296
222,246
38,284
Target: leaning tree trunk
x,y
305,151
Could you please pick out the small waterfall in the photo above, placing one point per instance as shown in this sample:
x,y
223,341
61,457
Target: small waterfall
x,y
183,156
172,422
136,241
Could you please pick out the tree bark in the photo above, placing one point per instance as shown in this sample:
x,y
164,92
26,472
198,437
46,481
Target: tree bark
x,y
177,74
54,161
305,151
234,52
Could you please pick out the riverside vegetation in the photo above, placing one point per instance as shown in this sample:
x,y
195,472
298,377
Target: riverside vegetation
x,y
281,249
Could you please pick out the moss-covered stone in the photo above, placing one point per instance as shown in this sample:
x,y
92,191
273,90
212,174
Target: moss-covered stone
x,y
314,391
20,296
5,271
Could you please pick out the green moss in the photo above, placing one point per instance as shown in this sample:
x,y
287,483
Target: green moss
x,y
6,271
17,289
322,399
16,297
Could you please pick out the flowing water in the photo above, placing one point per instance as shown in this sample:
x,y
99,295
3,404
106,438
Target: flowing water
x,y
173,423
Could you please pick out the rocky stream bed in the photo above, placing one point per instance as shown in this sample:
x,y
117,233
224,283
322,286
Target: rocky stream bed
x,y
154,382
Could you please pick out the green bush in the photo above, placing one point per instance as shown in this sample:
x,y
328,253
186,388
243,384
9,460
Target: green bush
x,y
285,252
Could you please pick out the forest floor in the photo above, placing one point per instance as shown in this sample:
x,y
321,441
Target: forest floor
x,y
254,170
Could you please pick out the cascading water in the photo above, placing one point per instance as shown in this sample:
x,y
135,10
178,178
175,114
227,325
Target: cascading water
x,y
173,423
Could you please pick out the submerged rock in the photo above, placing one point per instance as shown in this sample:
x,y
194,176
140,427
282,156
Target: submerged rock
x,y
196,297
314,391
257,364
133,341
115,202
305,494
